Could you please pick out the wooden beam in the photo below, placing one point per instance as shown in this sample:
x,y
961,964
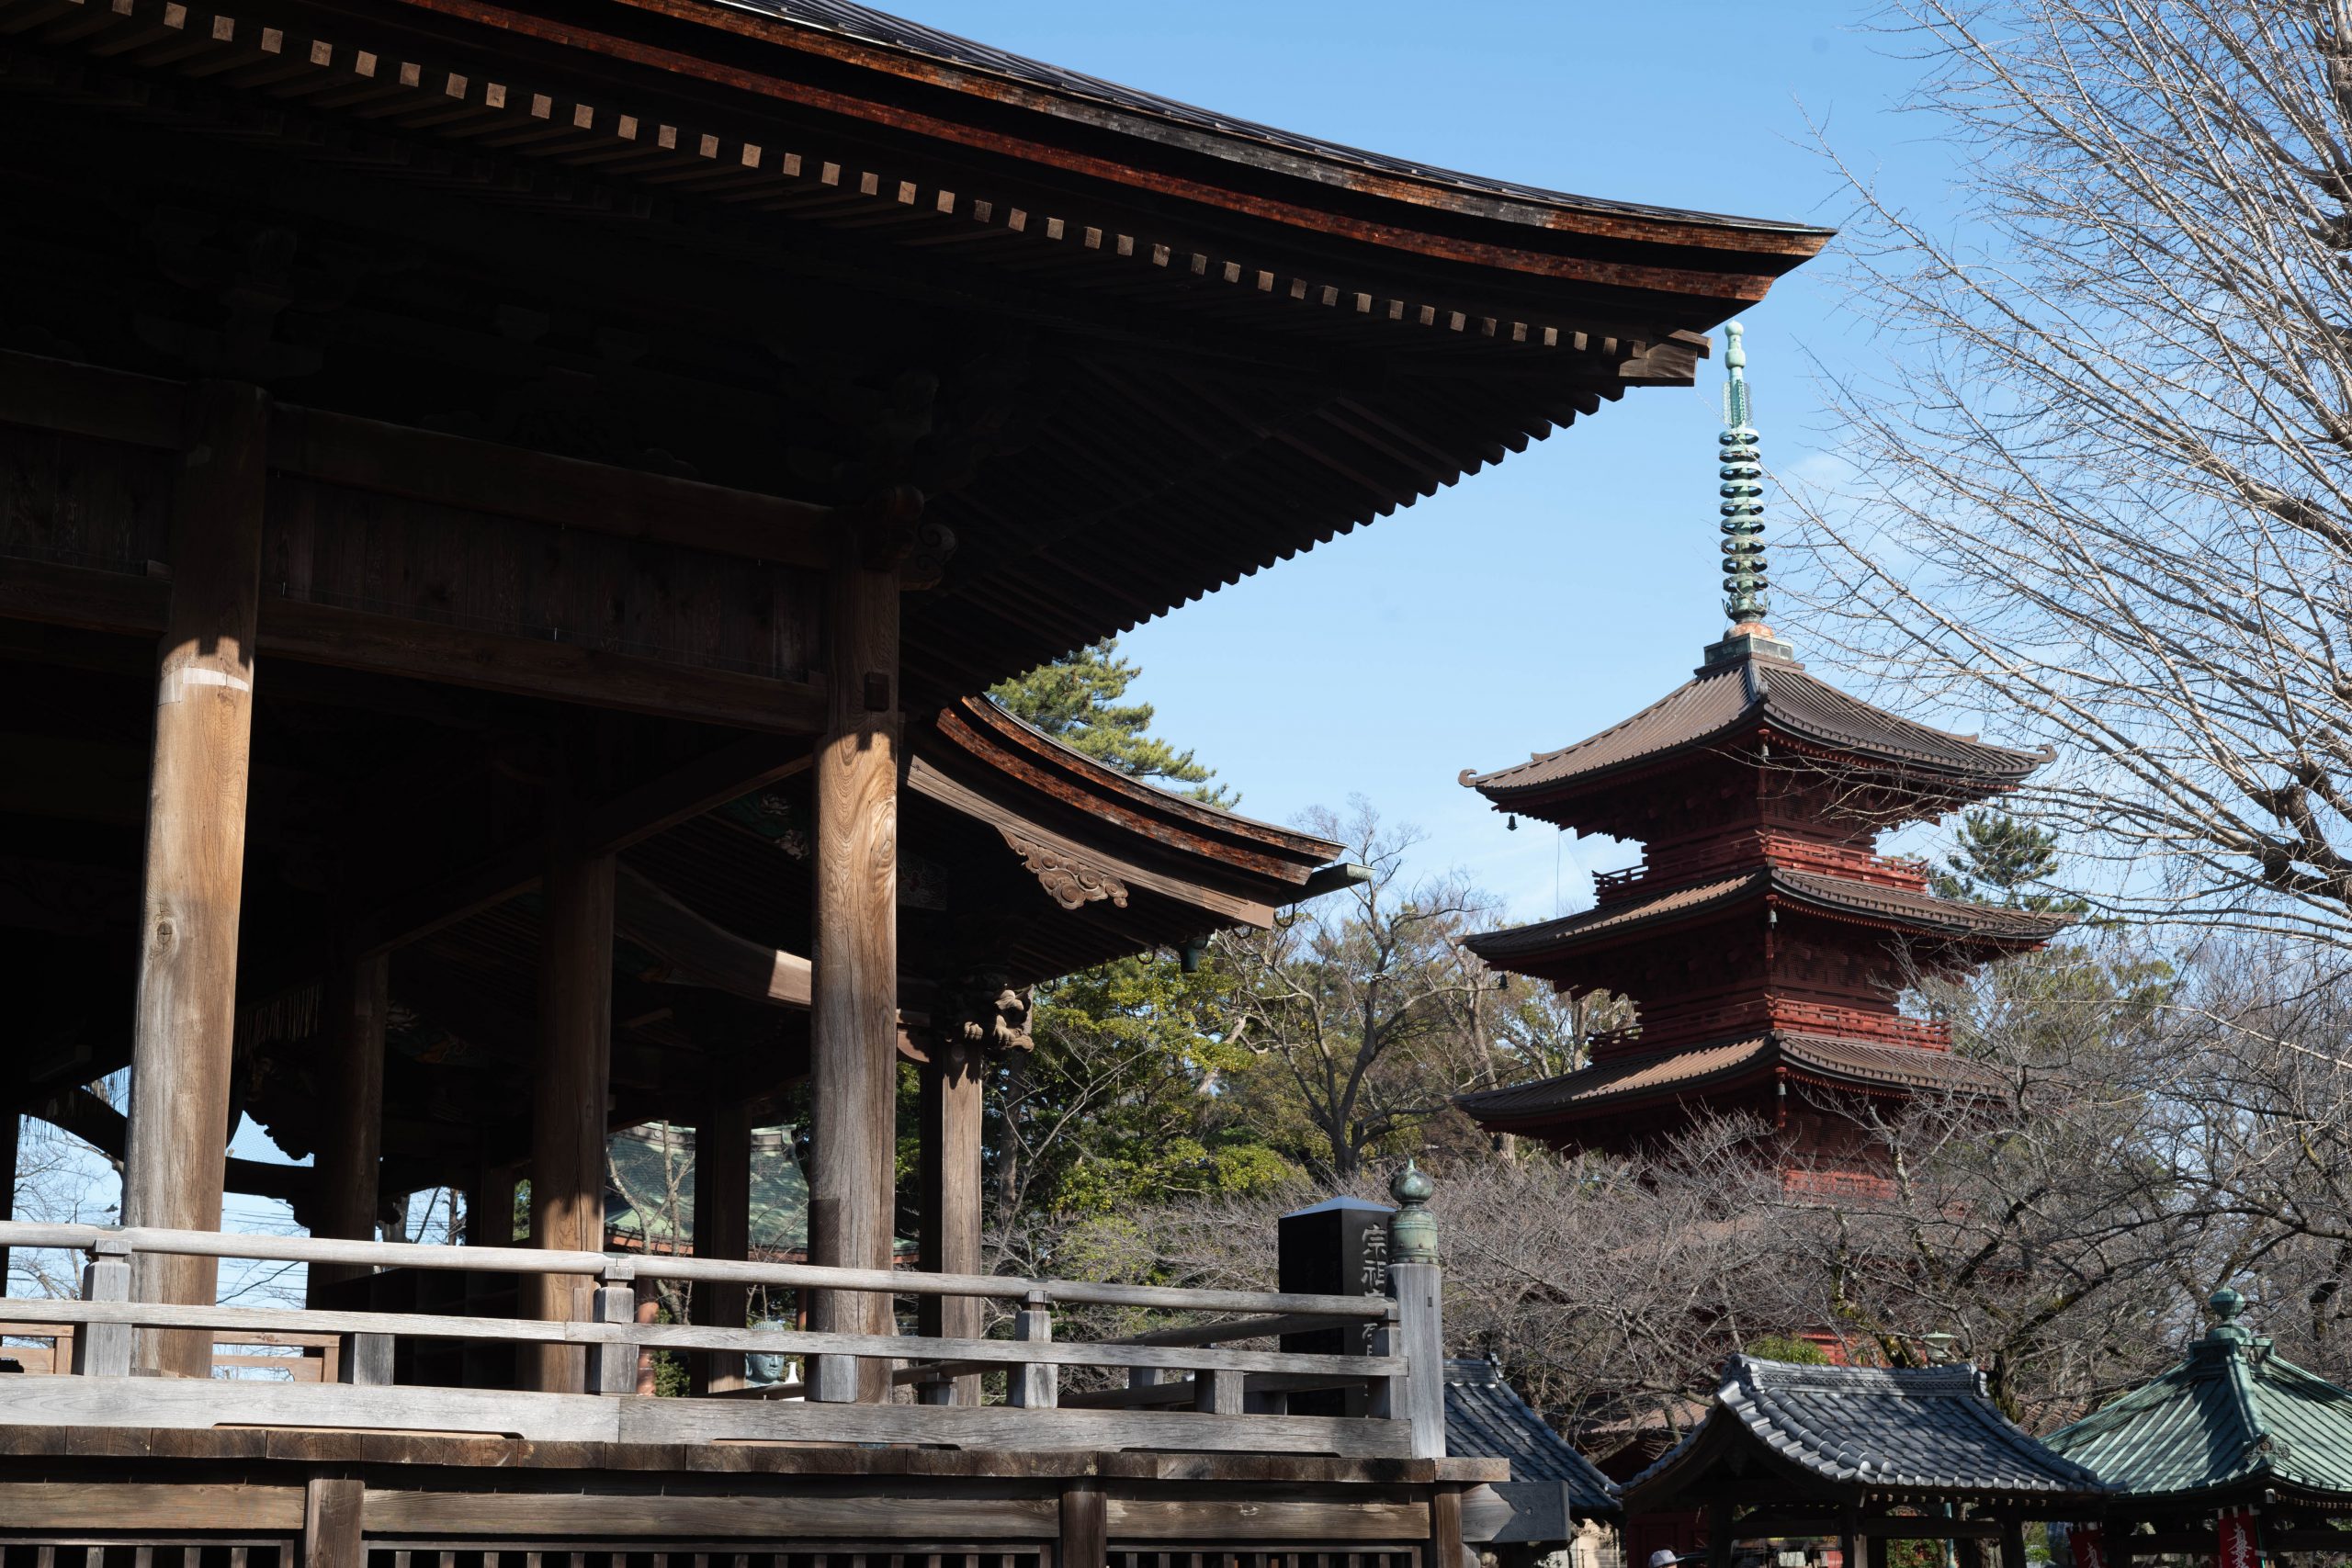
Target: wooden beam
x,y
705,953
426,650
571,1079
513,481
107,1130
722,1215
186,1011
854,1018
351,1141
949,1236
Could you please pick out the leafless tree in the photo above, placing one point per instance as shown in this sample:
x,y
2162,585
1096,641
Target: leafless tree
x,y
2102,495
1372,1013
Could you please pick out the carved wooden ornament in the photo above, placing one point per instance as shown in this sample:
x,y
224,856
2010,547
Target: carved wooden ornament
x,y
1069,881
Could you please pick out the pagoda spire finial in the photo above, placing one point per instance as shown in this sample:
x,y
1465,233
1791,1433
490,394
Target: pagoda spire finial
x,y
1746,588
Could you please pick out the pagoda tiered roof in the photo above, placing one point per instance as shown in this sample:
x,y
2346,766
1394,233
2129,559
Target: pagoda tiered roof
x,y
1625,1083
1752,696
1836,897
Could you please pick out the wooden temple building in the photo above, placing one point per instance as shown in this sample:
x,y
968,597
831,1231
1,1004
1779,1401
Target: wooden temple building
x,y
506,506
1763,938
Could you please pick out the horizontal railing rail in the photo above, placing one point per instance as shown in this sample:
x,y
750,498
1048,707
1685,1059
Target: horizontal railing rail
x,y
1186,1385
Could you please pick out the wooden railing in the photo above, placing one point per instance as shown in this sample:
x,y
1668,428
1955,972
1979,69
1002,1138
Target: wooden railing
x,y
1236,1399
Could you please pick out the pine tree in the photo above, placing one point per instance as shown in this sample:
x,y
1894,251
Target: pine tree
x,y
1076,699
1996,858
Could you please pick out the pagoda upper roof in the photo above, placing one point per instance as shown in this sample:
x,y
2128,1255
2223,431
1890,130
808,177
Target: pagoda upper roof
x,y
1607,1088
1836,896
1749,694
2231,1420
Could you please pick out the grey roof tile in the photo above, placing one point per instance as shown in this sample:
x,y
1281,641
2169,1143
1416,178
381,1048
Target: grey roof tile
x,y
1485,1419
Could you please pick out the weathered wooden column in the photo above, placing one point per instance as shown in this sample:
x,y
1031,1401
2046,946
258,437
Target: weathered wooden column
x,y
722,1218
571,1080
195,856
351,1142
854,1012
951,1203
11,1127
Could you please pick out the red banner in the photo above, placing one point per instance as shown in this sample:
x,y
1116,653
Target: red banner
x,y
2090,1546
2237,1547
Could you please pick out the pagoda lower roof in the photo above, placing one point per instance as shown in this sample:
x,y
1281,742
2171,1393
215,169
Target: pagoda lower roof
x,y
1757,695
1836,896
1693,1071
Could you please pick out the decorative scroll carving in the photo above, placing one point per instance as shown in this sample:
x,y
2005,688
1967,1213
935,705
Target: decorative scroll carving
x,y
1068,880
982,1010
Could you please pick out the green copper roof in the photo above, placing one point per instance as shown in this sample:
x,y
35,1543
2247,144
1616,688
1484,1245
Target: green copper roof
x,y
2231,1417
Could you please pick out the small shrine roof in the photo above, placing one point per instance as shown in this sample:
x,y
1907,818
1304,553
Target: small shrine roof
x,y
1678,1070
1750,693
1485,1418
1834,896
1924,1433
2233,1416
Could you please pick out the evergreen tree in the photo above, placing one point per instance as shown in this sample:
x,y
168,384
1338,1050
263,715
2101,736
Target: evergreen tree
x,y
1076,699
1995,859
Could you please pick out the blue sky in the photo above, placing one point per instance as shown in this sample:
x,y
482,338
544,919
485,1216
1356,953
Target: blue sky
x,y
1540,600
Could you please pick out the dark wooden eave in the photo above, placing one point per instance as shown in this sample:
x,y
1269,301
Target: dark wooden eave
x,y
1280,340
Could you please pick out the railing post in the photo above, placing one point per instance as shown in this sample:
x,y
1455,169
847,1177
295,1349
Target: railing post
x,y
366,1360
612,1368
1419,1335
103,1349
1033,1386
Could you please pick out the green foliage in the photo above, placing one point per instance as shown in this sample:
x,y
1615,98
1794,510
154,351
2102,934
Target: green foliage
x,y
1995,859
1119,1103
1780,1348
1077,700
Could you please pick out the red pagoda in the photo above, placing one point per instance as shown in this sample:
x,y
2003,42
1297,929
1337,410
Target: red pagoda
x,y
1763,938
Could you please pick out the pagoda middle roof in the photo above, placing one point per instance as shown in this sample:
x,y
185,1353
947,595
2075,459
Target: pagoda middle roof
x,y
1621,1081
1744,695
1834,896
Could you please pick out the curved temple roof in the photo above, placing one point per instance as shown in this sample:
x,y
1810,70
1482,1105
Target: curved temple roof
x,y
1836,896
864,23
2230,1418
1749,695
1927,1434
1626,1082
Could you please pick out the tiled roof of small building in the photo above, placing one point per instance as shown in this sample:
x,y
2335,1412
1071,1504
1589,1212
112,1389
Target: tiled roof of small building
x,y
1485,1419
1830,894
1925,1433
1691,1069
1725,700
2231,1417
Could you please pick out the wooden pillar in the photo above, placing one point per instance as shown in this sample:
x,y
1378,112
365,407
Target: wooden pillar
x,y
1445,1528
722,1218
2013,1542
951,1198
1719,1535
351,1139
1085,1525
1874,1548
11,1127
854,1012
1845,1536
331,1520
571,1080
489,1207
196,857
